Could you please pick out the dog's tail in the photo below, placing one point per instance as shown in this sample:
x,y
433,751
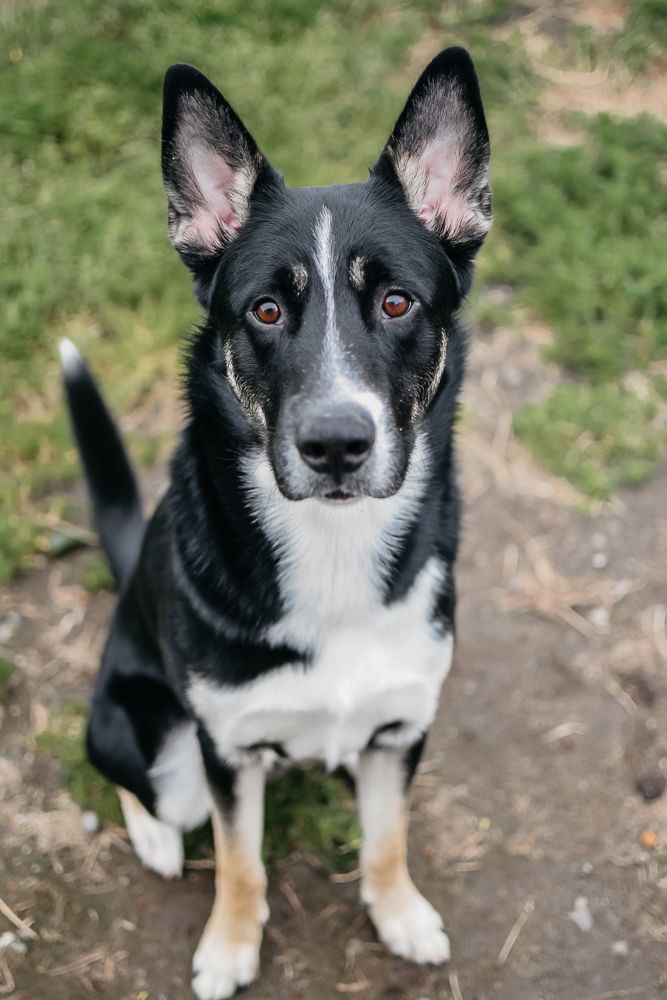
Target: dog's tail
x,y
111,483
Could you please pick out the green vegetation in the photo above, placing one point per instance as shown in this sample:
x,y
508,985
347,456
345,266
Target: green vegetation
x,y
582,242
6,673
96,574
314,812
586,253
306,810
64,739
599,437
645,34
83,247
585,230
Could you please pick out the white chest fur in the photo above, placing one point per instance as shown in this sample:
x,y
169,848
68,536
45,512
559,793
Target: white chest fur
x,y
371,664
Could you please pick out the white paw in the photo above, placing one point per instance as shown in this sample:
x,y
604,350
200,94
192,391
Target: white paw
x,y
409,926
158,845
220,969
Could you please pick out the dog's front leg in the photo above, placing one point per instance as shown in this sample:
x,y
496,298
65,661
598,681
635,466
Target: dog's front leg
x,y
227,957
406,923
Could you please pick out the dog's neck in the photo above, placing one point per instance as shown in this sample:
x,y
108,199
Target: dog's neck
x,y
333,559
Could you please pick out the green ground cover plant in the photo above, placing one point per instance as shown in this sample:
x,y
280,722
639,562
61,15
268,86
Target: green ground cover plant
x,y
599,437
6,674
64,739
582,242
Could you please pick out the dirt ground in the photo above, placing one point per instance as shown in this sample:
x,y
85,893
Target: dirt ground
x,y
527,811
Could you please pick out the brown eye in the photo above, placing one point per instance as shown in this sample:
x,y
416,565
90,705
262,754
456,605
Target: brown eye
x,y
395,304
268,312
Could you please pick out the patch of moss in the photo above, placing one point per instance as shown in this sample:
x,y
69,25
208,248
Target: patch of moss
x,y
312,811
199,843
306,810
96,575
6,673
64,738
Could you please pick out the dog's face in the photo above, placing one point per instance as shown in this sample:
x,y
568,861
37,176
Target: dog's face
x,y
332,306
333,311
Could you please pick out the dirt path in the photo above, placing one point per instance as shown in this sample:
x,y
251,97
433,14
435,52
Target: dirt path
x,y
526,809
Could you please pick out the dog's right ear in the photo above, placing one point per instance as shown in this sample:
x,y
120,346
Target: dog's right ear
x,y
210,167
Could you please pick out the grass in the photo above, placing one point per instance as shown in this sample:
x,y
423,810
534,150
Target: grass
x,y
96,574
585,233
64,739
6,674
582,243
314,812
644,38
599,437
83,244
306,810
580,238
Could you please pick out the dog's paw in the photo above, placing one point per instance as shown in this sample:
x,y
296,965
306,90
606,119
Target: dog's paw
x,y
408,926
158,845
220,969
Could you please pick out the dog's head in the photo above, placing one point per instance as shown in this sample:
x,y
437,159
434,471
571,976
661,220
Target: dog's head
x,y
333,306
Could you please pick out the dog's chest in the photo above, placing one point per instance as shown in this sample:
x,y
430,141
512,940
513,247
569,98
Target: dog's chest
x,y
371,665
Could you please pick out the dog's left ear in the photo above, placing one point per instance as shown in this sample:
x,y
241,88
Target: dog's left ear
x,y
211,167
439,153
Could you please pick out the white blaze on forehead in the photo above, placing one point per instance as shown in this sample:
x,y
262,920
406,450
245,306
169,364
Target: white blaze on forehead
x,y
340,381
326,269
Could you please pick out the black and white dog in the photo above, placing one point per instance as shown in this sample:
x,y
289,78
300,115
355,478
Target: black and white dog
x,y
292,597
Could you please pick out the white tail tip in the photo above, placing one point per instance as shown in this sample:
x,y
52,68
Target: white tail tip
x,y
69,356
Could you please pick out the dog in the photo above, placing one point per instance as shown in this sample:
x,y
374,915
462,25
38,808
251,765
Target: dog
x,y
292,597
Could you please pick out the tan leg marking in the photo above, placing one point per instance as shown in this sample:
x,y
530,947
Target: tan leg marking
x,y
406,922
240,890
386,867
227,956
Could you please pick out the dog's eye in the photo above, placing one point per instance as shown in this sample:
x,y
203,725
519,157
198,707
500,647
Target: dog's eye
x,y
395,304
268,312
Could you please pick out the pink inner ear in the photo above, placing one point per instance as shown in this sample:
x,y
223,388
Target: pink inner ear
x,y
440,162
215,178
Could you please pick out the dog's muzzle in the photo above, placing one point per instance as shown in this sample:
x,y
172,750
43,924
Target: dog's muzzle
x,y
337,440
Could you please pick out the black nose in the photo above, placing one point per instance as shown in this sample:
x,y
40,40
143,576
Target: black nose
x,y
337,440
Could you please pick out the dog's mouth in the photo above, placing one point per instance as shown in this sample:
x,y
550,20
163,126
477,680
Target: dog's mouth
x,y
335,494
341,496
